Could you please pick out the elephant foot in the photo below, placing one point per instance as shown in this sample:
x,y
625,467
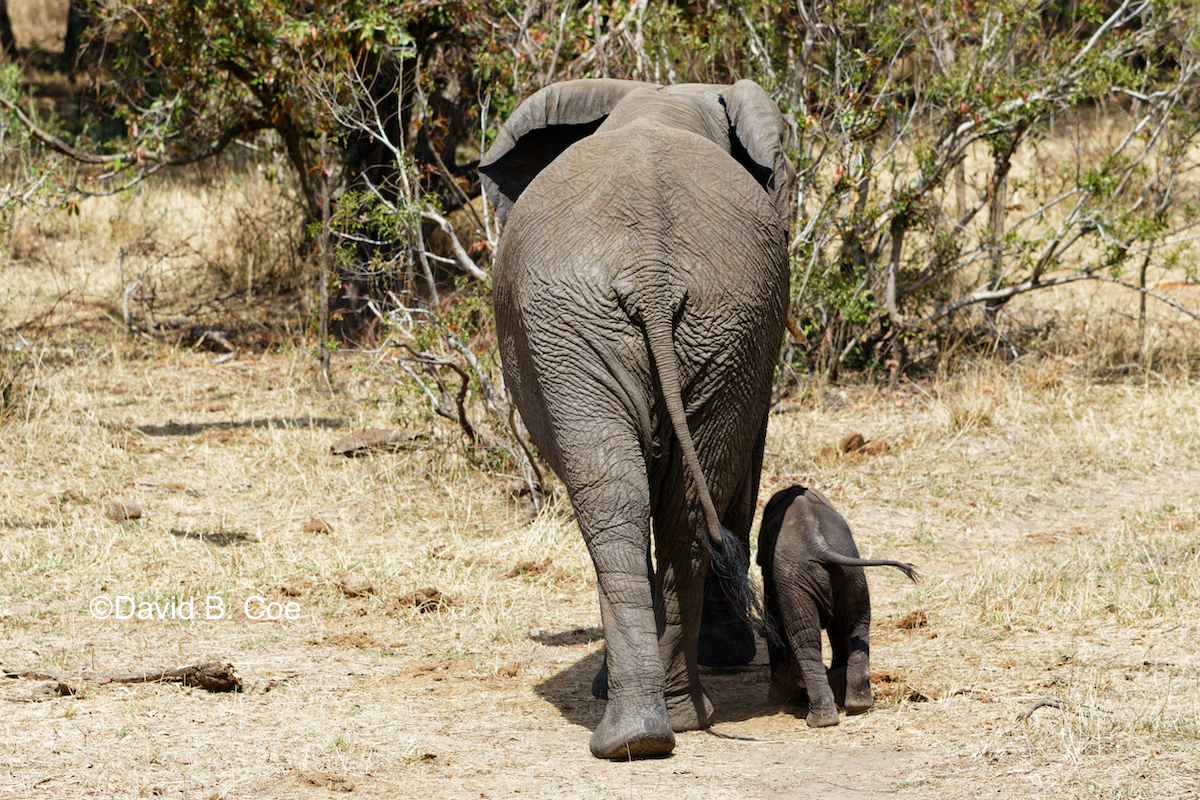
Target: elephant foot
x,y
859,701
822,717
728,643
690,712
857,696
633,730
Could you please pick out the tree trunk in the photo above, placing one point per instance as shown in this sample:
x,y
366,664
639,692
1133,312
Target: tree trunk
x,y
79,19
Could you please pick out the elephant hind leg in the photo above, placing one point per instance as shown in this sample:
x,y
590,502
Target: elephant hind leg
x,y
849,637
612,507
803,628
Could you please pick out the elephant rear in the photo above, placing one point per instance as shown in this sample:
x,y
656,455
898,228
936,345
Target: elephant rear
x,y
640,291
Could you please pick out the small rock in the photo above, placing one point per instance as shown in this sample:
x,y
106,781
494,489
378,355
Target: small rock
x,y
316,525
355,585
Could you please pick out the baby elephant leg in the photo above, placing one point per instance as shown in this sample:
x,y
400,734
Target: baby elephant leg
x,y
822,710
850,674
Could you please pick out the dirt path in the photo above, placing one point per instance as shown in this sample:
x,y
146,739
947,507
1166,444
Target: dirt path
x,y
1061,558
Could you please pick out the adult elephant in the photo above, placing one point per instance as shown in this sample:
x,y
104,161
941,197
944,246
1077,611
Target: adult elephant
x,y
640,290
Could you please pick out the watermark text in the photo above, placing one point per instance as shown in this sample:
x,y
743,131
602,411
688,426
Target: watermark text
x,y
207,608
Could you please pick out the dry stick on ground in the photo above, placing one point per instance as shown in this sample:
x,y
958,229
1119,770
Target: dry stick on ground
x,y
1041,702
1050,702
211,675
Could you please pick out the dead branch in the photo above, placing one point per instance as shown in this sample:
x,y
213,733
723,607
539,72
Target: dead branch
x,y
212,675
1030,285
137,155
460,400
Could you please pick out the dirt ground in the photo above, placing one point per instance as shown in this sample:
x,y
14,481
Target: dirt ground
x,y
441,639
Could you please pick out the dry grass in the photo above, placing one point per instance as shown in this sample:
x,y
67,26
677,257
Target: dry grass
x,y
1054,519
1051,504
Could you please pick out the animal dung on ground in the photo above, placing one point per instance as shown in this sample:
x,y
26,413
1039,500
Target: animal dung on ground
x,y
851,442
426,600
122,510
355,584
294,587
855,447
374,440
912,620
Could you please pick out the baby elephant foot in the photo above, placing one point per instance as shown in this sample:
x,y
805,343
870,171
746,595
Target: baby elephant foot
x,y
822,711
689,712
859,697
859,701
633,730
819,717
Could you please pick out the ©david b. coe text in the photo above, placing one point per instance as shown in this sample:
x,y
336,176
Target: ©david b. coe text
x,y
210,607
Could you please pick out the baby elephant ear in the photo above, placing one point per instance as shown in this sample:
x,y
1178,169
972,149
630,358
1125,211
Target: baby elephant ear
x,y
757,136
541,128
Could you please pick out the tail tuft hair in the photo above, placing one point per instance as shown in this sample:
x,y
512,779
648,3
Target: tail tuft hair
x,y
731,565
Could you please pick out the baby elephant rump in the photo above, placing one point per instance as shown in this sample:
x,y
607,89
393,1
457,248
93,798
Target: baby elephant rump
x,y
813,580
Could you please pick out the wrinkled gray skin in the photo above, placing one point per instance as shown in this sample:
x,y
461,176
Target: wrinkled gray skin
x,y
813,579
640,289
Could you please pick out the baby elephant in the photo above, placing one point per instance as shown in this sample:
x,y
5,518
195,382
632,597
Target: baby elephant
x,y
814,579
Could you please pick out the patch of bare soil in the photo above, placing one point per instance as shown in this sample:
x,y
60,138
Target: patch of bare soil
x,y
429,639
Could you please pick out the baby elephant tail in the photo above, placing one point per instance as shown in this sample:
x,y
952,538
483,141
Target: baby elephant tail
x,y
849,561
824,554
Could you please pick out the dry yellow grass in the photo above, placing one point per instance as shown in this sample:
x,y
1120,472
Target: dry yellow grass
x,y
1055,522
1052,506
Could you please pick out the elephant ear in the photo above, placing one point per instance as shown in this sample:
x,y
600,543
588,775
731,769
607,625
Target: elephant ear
x,y
541,128
757,134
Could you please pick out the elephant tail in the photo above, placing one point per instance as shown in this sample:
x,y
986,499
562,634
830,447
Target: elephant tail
x,y
729,556
822,553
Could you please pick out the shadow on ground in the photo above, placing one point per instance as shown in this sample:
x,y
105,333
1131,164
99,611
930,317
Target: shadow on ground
x,y
738,693
219,538
193,428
